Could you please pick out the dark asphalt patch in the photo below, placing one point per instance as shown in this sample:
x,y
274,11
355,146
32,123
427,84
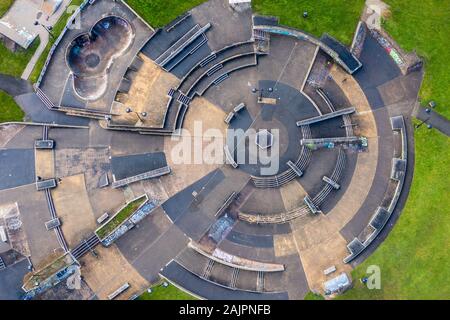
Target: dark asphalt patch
x,y
132,165
250,240
16,167
11,281
179,203
378,66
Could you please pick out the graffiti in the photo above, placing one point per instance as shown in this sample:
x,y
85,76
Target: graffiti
x,y
393,53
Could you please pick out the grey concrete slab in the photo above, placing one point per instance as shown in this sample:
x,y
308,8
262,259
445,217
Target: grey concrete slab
x,y
132,165
16,167
144,235
250,240
264,201
262,229
288,61
11,281
177,205
228,26
120,143
294,278
264,254
69,138
34,213
378,66
152,259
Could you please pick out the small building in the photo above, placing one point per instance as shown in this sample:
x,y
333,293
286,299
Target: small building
x,y
337,285
17,25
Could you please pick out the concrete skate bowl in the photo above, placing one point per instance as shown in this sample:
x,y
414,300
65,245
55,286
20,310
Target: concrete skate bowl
x,y
90,55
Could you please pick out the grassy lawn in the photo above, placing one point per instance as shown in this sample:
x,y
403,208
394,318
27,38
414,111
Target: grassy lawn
x,y
169,293
13,63
120,217
4,6
9,110
158,13
414,259
313,296
424,26
56,31
335,17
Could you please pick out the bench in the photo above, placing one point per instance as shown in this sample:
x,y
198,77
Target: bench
x,y
52,224
296,169
326,116
45,184
312,207
355,247
44,144
398,169
229,157
103,218
181,44
226,203
332,183
229,117
119,291
239,107
3,234
380,218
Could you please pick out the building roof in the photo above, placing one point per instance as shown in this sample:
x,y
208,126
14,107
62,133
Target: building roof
x,y
18,22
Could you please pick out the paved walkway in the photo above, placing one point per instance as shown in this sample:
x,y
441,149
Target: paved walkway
x,y
14,86
433,118
44,37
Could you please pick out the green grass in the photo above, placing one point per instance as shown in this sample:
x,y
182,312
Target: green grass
x,y
13,63
414,259
335,17
424,26
56,31
313,296
4,6
120,217
158,13
9,110
169,293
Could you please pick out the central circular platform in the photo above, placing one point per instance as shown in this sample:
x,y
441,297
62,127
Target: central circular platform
x,y
279,117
